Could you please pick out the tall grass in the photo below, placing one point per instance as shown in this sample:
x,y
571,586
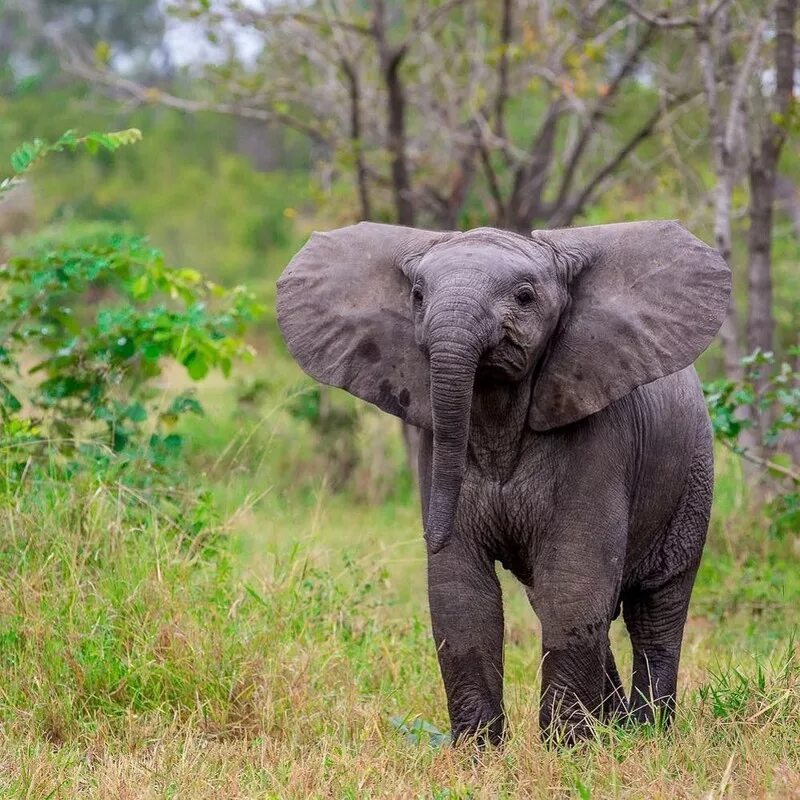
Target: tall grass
x,y
285,652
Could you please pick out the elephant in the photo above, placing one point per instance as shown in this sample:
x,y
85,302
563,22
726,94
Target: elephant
x,y
564,435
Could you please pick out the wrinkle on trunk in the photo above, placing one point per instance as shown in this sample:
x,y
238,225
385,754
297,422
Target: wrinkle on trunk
x,y
454,353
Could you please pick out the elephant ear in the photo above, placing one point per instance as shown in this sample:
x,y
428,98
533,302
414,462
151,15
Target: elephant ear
x,y
646,298
345,313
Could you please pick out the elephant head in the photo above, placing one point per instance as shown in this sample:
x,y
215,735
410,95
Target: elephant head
x,y
408,320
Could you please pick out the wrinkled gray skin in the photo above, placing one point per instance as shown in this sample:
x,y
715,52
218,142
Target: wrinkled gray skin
x,y
564,436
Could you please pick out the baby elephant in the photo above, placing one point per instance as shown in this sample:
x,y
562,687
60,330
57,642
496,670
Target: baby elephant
x,y
564,434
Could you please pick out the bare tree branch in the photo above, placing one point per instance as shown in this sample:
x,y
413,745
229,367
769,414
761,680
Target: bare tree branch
x,y
786,472
250,17
390,61
356,140
563,214
151,95
737,107
724,127
530,179
493,184
762,176
600,108
501,97
664,20
425,20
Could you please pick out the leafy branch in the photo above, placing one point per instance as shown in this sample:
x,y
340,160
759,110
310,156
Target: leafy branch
x,y
768,393
28,154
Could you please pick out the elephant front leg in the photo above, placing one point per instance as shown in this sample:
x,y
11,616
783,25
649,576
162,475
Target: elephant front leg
x,y
467,616
579,678
615,703
573,687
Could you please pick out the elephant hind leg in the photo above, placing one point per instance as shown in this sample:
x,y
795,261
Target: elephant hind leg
x,y
655,621
656,606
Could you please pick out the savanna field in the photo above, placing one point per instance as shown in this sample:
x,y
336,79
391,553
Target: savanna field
x,y
212,570
276,643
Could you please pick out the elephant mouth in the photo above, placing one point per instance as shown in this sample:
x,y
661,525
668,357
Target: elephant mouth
x,y
507,361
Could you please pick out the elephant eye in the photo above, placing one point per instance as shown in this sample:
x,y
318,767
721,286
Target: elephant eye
x,y
524,296
416,295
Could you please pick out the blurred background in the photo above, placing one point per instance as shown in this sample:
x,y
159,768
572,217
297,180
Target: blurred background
x,y
263,121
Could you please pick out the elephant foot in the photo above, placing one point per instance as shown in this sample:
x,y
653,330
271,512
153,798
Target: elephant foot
x,y
482,729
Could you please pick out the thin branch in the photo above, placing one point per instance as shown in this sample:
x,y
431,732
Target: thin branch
x,y
494,185
664,20
737,105
356,138
600,109
786,472
349,63
424,21
531,178
247,16
151,95
563,214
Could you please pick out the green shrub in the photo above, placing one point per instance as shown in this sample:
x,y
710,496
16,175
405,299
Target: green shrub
x,y
88,322
770,393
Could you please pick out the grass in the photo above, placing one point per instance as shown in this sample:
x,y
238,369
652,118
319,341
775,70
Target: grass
x,y
285,653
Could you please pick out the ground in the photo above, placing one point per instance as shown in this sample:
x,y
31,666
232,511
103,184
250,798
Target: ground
x,y
286,652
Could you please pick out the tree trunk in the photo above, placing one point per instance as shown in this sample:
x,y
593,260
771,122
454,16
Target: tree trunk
x,y
356,143
396,129
760,322
729,332
762,177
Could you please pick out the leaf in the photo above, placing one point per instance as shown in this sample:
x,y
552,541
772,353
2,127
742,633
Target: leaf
x,y
26,154
8,399
584,792
419,730
136,412
173,442
184,403
102,52
196,366
140,288
125,347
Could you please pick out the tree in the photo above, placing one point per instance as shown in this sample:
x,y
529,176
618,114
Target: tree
x,y
447,113
518,113
747,56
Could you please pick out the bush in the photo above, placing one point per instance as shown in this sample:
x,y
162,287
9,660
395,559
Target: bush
x,y
770,394
88,322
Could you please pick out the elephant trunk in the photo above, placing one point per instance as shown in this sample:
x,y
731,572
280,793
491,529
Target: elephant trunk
x,y
455,348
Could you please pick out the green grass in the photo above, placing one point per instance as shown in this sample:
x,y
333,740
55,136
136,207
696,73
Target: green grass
x,y
287,654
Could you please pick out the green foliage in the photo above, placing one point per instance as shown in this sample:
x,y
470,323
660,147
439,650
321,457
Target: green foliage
x,y
769,392
733,695
334,426
87,326
770,395
417,731
28,154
